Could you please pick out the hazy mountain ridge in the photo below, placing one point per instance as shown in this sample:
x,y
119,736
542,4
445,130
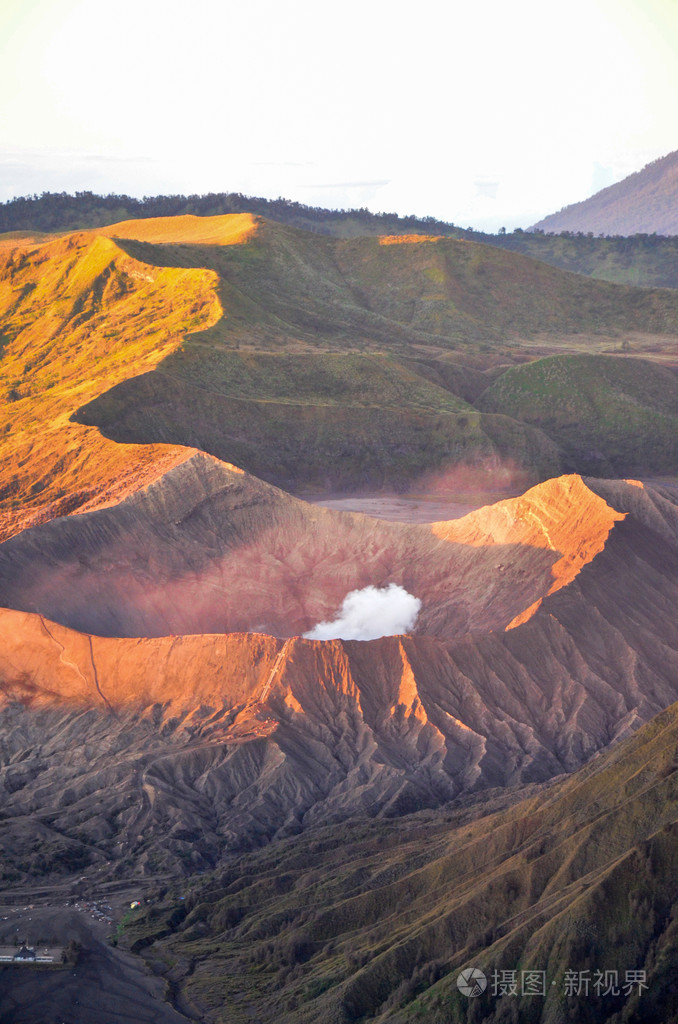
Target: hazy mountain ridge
x,y
645,201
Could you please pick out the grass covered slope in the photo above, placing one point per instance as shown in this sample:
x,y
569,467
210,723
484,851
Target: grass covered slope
x,y
609,416
286,285
78,316
234,229
321,420
380,925
358,420
312,361
643,259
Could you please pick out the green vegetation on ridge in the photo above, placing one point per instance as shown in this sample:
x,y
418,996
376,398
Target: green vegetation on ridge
x,y
317,420
608,415
314,362
650,261
344,364
288,286
312,379
638,259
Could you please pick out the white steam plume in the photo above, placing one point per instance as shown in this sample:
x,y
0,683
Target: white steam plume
x,y
370,613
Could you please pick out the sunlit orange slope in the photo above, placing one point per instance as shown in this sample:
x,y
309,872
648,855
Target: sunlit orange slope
x,y
208,549
227,229
79,316
562,515
41,661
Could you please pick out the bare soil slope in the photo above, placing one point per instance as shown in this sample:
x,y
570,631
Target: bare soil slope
x,y
548,632
208,548
581,877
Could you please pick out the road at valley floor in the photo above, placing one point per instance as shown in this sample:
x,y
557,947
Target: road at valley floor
x,y
107,984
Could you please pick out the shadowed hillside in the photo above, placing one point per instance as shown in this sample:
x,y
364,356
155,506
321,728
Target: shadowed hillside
x,y
307,420
400,290
374,921
323,421
608,416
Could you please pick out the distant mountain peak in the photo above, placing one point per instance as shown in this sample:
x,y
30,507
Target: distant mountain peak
x,y
645,202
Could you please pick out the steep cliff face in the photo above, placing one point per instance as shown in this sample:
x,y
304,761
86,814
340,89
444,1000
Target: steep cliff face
x,y
243,736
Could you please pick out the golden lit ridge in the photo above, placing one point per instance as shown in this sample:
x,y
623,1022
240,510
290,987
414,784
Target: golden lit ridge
x,y
79,316
562,515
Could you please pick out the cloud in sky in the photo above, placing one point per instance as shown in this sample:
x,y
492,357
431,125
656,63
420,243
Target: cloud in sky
x,y
35,171
350,184
405,109
370,613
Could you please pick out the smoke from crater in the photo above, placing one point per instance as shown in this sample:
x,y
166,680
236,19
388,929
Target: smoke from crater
x,y
370,613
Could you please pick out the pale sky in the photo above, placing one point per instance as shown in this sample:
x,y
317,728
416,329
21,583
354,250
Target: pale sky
x,y
485,114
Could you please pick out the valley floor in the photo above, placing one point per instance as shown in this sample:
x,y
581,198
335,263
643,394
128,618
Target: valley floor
x,y
107,985
432,507
415,508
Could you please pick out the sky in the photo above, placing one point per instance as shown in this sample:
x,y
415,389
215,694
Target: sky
x,y
488,114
